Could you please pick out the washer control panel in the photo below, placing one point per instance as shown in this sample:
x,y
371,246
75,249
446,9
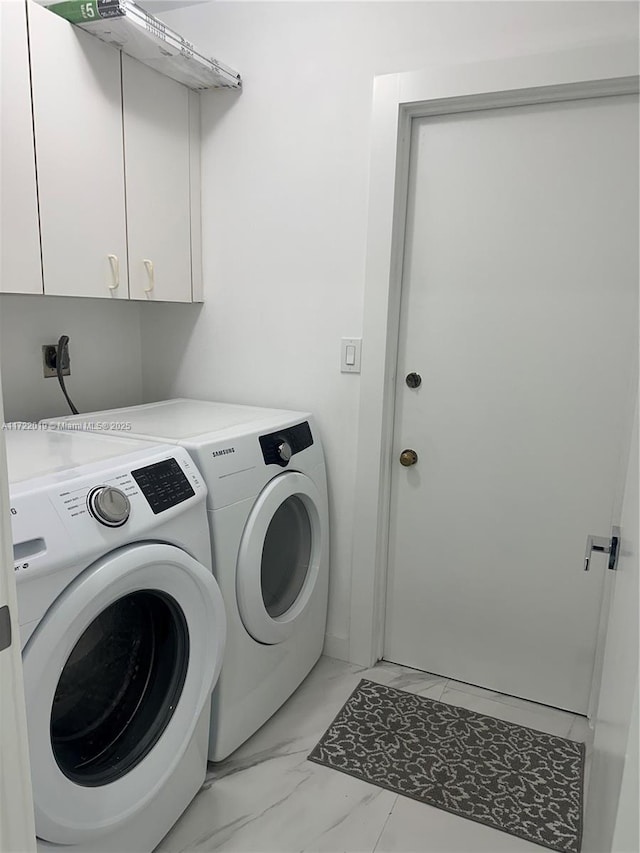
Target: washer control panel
x,y
72,516
163,484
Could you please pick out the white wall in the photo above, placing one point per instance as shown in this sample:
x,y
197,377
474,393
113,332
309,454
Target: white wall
x,y
104,344
285,183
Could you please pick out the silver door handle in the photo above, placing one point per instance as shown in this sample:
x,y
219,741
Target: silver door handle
x,y
603,545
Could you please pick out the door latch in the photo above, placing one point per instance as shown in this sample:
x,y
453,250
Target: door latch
x,y
602,545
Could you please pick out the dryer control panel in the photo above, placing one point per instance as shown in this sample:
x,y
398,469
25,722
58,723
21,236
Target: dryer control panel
x,y
279,447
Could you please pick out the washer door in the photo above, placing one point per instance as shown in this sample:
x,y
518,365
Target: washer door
x,y
282,549
116,677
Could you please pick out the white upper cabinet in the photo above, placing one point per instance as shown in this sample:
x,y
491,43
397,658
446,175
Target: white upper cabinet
x,y
20,266
78,136
100,167
157,155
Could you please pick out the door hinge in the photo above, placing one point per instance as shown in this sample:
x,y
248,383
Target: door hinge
x,y
5,628
602,545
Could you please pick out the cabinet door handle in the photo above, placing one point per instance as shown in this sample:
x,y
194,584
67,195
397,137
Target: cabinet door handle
x,y
115,271
149,265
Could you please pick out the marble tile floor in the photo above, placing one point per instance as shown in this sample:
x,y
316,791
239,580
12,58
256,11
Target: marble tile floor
x,y
267,798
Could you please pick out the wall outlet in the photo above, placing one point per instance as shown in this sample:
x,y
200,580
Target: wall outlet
x,y
49,358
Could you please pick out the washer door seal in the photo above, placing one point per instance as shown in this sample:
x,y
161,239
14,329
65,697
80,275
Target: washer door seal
x,y
84,787
283,546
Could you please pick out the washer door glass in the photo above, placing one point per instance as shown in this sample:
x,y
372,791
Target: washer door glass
x,y
119,687
286,556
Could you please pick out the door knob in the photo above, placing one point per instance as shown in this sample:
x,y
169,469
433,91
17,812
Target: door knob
x,y
413,380
408,457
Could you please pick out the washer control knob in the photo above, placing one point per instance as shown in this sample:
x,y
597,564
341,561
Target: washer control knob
x,y
284,451
109,505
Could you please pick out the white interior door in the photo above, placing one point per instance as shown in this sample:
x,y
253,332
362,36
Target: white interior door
x,y
17,829
613,781
519,311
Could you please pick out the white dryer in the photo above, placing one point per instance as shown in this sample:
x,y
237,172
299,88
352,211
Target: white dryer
x,y
122,630
268,516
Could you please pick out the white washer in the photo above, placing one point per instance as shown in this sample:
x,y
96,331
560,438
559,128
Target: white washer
x,y
122,630
265,472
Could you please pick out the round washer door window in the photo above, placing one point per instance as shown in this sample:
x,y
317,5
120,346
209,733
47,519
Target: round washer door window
x,y
116,676
119,687
281,553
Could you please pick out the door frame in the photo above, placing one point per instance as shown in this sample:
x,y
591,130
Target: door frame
x,y
17,824
597,71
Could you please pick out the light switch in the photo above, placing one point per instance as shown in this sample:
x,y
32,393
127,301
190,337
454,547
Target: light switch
x,y
350,353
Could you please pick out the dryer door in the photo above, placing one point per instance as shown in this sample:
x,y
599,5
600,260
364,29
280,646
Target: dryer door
x,y
282,553
116,677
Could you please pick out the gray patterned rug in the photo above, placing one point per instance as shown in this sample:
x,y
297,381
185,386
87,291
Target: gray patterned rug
x,y
508,777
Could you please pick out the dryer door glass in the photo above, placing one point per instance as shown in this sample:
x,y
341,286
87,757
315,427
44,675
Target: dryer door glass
x,y
286,556
119,687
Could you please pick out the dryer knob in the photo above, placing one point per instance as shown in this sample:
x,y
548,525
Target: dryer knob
x,y
109,506
284,451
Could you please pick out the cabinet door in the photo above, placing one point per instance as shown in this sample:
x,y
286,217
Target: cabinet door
x,y
156,145
21,269
76,83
